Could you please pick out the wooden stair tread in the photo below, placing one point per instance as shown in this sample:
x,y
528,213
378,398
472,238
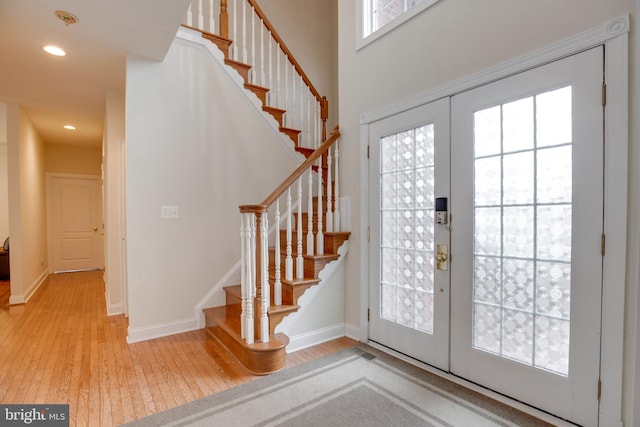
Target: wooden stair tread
x,y
269,108
273,309
323,257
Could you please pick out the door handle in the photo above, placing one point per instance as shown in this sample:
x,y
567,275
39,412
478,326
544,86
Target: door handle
x,y
95,228
442,257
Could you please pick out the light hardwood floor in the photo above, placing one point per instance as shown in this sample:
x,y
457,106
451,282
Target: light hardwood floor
x,y
61,347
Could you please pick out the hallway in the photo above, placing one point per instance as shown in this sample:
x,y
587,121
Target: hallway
x,y
61,347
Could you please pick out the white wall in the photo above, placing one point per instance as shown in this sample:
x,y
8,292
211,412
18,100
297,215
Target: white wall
x,y
449,41
4,186
309,28
193,141
113,165
27,205
74,159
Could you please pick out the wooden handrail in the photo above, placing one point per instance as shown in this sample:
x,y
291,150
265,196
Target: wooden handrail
x,y
333,136
285,49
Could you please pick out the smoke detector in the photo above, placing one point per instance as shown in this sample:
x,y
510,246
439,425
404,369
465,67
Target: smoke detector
x,y
66,17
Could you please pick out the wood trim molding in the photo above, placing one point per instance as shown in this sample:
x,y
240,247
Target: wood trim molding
x,y
583,41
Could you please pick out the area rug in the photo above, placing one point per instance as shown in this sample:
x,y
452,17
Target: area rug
x,y
360,386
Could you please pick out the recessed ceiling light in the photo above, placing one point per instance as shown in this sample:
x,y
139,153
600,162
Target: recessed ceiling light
x,y
54,50
70,127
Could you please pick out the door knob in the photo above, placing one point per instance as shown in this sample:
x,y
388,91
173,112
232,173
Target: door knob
x,y
442,257
95,228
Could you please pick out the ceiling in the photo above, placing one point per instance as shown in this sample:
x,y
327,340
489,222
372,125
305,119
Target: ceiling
x,y
55,91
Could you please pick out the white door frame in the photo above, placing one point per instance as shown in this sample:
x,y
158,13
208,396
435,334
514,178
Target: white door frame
x,y
614,36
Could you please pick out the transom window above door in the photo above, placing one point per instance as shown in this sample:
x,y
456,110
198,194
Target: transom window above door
x,y
378,17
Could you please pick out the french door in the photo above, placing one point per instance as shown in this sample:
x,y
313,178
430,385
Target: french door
x,y
409,154
518,308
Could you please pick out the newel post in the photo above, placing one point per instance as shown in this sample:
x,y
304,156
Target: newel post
x,y
224,19
257,305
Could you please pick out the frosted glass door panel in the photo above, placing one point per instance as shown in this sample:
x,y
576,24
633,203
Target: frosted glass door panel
x,y
527,208
522,217
408,258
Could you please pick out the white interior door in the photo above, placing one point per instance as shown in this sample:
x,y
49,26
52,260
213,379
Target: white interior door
x,y
75,217
527,204
409,169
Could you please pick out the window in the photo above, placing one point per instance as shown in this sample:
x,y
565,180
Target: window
x,y
381,16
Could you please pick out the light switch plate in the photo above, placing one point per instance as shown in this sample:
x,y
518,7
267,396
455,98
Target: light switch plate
x,y
169,212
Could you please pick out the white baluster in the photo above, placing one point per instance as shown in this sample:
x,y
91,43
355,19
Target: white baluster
x,y
318,125
278,80
234,30
329,194
302,124
288,270
277,284
270,73
190,15
264,317
309,123
294,115
200,16
251,278
319,235
299,259
252,46
336,180
244,31
212,21
310,245
243,276
286,93
262,55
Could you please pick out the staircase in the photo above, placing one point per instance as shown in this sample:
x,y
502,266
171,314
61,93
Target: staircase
x,y
278,266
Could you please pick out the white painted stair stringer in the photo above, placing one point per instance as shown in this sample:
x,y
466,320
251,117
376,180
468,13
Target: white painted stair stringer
x,y
194,38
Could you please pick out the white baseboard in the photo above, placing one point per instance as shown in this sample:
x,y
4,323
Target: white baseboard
x,y
319,336
30,291
161,330
114,309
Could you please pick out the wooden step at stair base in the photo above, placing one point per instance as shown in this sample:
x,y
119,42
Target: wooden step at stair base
x,y
233,295
223,323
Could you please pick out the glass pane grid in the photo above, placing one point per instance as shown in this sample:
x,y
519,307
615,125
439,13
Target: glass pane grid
x,y
522,230
385,11
407,256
